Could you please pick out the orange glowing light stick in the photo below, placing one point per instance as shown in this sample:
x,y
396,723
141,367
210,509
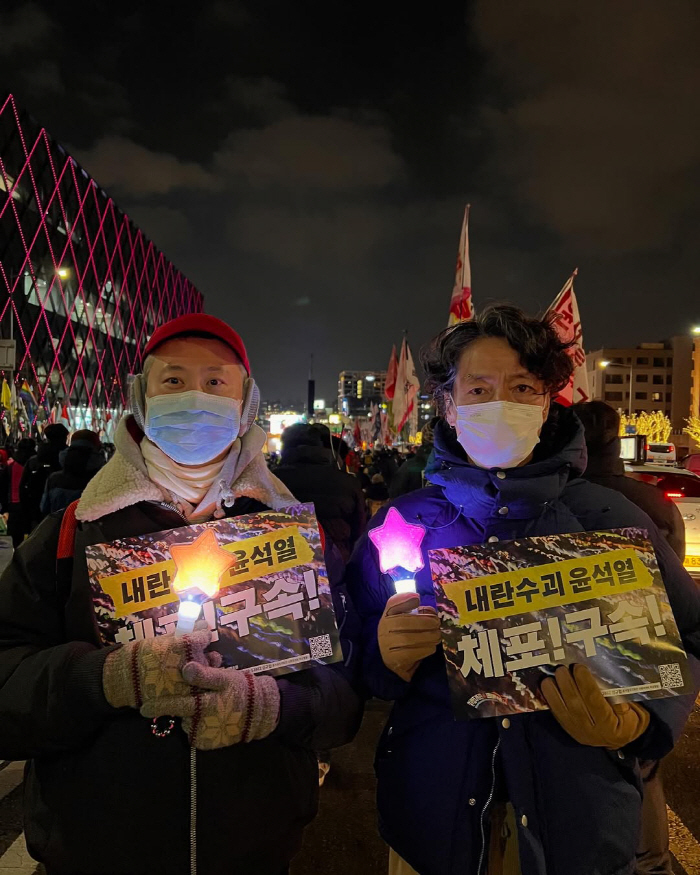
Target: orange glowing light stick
x,y
199,568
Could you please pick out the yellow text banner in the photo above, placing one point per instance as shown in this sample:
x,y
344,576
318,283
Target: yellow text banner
x,y
540,587
151,585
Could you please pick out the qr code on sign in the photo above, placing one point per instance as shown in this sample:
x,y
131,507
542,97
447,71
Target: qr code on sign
x,y
321,646
670,676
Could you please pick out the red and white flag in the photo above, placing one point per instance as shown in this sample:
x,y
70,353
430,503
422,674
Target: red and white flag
x,y
390,385
407,386
65,417
461,308
567,323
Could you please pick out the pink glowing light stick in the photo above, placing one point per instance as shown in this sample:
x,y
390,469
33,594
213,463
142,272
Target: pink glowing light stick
x,y
398,545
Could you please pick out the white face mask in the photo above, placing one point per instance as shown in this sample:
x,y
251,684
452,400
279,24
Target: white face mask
x,y
498,434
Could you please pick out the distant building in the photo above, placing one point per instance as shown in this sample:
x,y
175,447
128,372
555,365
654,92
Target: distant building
x,y
358,390
646,378
81,286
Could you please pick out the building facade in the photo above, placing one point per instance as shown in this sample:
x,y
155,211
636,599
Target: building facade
x,y
358,390
81,287
646,378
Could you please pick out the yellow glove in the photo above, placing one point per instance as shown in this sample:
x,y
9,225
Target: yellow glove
x,y
405,638
583,711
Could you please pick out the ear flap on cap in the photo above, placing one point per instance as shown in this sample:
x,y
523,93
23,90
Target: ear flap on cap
x,y
251,403
138,400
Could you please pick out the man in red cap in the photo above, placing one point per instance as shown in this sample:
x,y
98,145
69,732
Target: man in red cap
x,y
104,796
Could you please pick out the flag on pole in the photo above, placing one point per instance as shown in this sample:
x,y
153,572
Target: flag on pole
x,y
390,385
461,308
407,386
567,323
357,434
6,396
385,436
28,400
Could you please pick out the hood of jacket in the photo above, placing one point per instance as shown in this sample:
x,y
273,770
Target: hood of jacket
x,y
80,459
307,456
604,459
124,480
558,457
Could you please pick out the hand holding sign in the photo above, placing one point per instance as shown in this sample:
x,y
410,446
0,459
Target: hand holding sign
x,y
581,709
222,707
151,669
406,638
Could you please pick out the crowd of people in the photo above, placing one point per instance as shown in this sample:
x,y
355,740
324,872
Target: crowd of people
x,y
38,478
557,791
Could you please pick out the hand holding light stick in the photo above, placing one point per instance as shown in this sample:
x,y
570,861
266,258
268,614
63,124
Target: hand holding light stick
x,y
398,544
200,566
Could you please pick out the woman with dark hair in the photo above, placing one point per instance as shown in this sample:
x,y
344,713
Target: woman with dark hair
x,y
545,793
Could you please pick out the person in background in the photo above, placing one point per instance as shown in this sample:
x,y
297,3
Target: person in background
x,y
409,477
601,424
80,461
308,470
38,469
18,520
556,790
377,494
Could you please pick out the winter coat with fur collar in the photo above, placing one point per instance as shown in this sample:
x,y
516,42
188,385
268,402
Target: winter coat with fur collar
x,y
103,796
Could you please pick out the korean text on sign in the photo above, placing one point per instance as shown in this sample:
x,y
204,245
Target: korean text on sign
x,y
538,588
534,644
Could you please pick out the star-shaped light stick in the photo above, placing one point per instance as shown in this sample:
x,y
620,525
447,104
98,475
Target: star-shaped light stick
x,y
199,565
398,544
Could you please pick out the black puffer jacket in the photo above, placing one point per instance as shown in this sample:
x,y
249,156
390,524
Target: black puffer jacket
x,y
103,796
606,468
310,474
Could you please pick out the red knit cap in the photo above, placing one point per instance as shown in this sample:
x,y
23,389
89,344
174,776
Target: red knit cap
x,y
199,323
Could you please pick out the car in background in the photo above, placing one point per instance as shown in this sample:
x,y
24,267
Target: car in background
x,y
663,453
683,488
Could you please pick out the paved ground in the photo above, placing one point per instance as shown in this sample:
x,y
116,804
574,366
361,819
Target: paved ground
x,y
343,840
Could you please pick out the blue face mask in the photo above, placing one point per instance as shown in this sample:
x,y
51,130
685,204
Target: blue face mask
x,y
192,427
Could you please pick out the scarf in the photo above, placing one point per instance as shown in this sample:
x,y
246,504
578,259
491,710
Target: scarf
x,y
125,480
183,481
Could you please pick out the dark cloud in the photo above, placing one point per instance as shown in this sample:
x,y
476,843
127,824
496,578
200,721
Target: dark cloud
x,y
44,77
130,169
600,135
307,165
311,153
24,28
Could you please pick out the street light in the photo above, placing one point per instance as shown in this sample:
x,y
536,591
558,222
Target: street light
x,y
63,272
696,329
608,364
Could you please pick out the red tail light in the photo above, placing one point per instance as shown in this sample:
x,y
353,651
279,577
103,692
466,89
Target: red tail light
x,y
674,495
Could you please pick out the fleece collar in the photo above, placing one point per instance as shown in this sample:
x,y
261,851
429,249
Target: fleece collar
x,y
124,480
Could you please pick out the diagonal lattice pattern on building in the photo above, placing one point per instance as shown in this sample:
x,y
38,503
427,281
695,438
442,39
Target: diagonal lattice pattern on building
x,y
81,287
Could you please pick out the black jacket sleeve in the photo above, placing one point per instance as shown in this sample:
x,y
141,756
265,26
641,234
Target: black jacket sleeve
x,y
321,707
51,696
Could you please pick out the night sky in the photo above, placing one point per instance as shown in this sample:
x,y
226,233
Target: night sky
x,y
306,164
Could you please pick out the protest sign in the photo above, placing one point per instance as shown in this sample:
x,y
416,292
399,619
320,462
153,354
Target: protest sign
x,y
271,609
512,611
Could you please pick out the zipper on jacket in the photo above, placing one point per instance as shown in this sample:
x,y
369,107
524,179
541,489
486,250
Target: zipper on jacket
x,y
193,810
340,629
486,806
171,507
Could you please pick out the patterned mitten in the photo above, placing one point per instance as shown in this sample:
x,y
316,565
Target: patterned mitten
x,y
223,706
151,669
